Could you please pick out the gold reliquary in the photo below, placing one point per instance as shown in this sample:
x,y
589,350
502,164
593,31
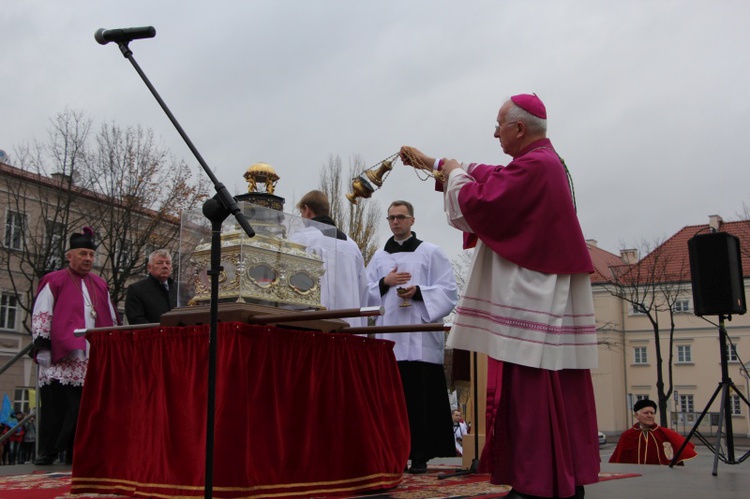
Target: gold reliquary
x,y
269,269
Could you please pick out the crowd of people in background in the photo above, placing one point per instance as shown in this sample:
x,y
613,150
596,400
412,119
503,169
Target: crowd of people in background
x,y
20,447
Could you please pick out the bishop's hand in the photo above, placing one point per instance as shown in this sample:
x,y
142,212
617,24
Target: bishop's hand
x,y
411,156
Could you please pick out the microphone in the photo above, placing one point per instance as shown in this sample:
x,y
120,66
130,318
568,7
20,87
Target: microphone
x,y
104,36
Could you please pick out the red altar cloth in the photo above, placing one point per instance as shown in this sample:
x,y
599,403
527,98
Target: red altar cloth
x,y
297,414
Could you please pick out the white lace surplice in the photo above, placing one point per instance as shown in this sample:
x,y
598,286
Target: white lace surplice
x,y
518,315
70,370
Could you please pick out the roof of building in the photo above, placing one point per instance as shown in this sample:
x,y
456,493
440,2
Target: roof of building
x,y
604,262
58,181
670,259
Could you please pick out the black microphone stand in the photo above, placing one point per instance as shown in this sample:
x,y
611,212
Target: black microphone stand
x,y
216,209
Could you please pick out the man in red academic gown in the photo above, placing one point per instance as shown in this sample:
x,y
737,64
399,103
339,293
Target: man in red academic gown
x,y
647,442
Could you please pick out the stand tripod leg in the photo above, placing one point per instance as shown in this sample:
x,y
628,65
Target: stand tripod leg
x,y
725,418
725,412
724,389
694,429
470,471
747,403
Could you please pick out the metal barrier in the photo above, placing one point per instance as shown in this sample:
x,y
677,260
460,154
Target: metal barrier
x,y
15,358
24,351
682,422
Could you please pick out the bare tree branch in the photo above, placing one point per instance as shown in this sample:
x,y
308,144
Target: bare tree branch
x,y
42,196
149,188
360,221
652,287
126,186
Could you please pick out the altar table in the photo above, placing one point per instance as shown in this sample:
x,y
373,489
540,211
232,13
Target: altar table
x,y
298,413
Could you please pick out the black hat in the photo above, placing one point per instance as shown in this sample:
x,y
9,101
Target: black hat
x,y
644,403
85,240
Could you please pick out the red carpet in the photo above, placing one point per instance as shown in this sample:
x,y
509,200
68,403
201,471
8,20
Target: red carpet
x,y
38,486
57,486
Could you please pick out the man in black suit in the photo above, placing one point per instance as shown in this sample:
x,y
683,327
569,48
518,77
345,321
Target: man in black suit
x,y
149,298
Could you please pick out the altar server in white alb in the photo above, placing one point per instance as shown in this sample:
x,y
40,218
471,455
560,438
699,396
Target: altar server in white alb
x,y
344,283
415,283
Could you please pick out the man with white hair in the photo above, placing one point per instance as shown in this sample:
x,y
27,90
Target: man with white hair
x,y
154,295
527,305
647,442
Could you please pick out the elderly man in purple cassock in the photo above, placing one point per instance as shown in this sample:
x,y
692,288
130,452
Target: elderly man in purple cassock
x,y
67,299
527,305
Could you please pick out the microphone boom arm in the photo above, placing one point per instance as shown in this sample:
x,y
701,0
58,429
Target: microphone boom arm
x,y
226,199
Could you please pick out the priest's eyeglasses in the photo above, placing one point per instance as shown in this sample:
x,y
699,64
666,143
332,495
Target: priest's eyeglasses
x,y
400,218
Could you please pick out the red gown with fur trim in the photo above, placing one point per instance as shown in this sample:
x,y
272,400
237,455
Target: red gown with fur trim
x,y
655,445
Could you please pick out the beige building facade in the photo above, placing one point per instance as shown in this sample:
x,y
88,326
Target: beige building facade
x,y
628,346
628,364
33,238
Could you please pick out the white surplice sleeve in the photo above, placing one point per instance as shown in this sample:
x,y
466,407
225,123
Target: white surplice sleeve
x,y
373,279
455,181
41,316
112,311
439,290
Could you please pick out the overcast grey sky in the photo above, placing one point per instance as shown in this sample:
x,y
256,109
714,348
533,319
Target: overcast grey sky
x,y
646,100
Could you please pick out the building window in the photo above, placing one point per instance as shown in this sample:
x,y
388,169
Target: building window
x,y
634,398
22,400
686,403
123,255
8,311
14,227
638,309
732,353
686,410
735,404
684,354
640,356
55,245
682,306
